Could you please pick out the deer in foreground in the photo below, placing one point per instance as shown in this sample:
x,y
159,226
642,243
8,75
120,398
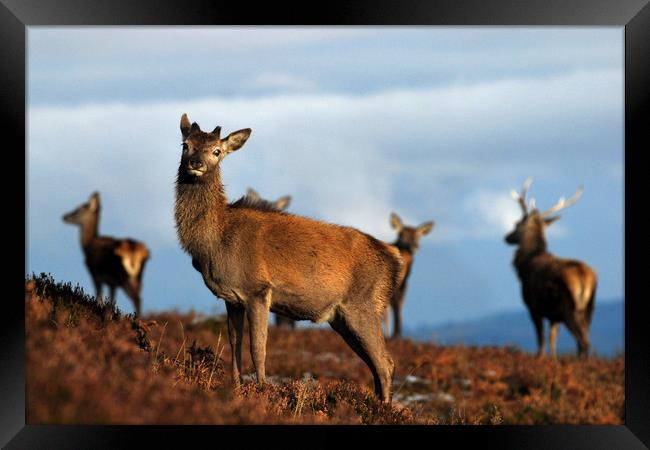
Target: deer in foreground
x,y
260,261
110,261
557,289
253,200
408,241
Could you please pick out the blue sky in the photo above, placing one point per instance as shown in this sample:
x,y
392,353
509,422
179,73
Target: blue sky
x,y
434,123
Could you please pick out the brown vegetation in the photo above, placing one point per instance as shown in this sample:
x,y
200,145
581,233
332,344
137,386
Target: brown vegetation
x,y
89,364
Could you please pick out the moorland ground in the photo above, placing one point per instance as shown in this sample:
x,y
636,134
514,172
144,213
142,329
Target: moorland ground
x,y
88,363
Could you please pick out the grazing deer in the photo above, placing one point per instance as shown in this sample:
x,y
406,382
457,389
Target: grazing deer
x,y
560,290
260,261
408,241
115,262
253,200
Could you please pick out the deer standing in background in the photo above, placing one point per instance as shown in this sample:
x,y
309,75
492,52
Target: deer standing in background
x,y
110,261
408,239
253,200
560,290
260,261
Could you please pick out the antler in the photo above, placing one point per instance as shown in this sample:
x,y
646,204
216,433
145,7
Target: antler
x,y
563,203
521,197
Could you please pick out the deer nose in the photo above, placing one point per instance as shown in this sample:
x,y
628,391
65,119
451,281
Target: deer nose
x,y
196,164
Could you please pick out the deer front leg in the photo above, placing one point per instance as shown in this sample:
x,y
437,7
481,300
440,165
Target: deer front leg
x,y
111,298
98,288
386,320
397,321
539,329
397,303
235,335
258,318
553,338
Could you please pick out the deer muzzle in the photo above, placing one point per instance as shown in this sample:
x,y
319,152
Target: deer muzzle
x,y
195,167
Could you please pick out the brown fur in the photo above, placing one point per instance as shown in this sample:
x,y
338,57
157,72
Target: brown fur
x,y
408,241
253,200
115,262
560,290
268,260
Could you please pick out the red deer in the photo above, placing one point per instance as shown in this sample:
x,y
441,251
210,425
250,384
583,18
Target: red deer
x,y
557,289
110,261
408,241
260,261
252,199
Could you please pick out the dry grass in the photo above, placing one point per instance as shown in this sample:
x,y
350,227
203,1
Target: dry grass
x,y
90,364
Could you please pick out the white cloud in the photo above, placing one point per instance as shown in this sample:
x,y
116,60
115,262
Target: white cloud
x,y
494,215
344,158
282,81
496,210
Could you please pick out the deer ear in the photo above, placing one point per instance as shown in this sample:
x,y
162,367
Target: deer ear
x,y
252,194
283,202
94,201
395,221
425,228
185,126
550,220
236,139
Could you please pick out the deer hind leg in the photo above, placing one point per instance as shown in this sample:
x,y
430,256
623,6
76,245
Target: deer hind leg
x,y
578,327
112,299
132,289
365,337
257,309
137,304
235,335
553,338
584,321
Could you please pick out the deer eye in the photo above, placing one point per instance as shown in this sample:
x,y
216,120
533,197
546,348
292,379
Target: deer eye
x,y
185,146
216,152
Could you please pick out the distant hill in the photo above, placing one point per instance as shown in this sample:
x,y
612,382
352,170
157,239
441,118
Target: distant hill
x,y
515,328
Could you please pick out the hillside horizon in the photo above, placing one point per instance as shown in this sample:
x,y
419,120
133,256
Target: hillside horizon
x,y
607,333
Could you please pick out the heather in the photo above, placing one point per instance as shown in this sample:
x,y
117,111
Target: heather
x,y
88,363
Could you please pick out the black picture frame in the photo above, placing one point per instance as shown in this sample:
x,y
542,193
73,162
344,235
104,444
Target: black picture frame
x,y
634,15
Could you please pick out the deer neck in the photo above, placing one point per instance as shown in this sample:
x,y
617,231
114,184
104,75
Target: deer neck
x,y
89,231
200,212
404,248
532,245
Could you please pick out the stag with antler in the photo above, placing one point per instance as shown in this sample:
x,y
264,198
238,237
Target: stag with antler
x,y
556,289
